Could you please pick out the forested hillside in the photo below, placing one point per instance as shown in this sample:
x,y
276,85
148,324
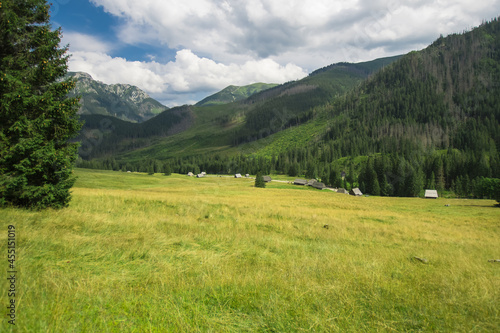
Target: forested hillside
x,y
428,120
215,127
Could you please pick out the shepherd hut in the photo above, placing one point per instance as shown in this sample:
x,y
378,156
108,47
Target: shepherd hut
x,y
238,175
319,185
356,192
431,194
300,182
267,179
190,174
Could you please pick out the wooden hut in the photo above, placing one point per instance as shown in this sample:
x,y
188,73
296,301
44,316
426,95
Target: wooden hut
x,y
267,179
342,190
319,185
247,175
200,175
311,182
300,182
238,175
356,192
190,174
431,194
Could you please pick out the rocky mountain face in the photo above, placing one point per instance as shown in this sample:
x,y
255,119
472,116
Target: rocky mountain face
x,y
123,101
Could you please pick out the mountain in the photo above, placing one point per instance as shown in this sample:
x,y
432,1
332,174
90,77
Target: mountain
x,y
234,93
122,101
428,119
221,127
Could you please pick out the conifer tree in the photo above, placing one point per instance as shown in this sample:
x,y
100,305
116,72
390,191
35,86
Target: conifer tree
x,y
167,169
36,117
259,180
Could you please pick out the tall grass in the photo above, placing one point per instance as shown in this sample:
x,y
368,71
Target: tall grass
x,y
138,253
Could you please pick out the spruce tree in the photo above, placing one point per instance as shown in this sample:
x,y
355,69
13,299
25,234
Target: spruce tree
x,y
259,180
36,117
167,169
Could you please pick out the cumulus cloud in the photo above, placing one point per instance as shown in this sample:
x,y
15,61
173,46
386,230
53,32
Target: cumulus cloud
x,y
222,42
178,82
229,30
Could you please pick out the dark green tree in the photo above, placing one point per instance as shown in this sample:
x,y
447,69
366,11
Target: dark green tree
x,y
167,169
36,117
259,180
312,170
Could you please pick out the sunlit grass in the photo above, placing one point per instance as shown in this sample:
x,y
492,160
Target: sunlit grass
x,y
152,253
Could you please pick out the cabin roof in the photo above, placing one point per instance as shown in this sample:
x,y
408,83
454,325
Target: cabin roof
x,y
300,182
431,194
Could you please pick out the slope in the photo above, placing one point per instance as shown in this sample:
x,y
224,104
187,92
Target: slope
x,y
222,128
122,101
234,93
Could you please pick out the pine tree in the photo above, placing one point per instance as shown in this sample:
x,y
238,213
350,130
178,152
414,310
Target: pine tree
x,y
36,117
167,169
259,180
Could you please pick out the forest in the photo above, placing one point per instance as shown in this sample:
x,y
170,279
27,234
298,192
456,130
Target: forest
x,y
430,119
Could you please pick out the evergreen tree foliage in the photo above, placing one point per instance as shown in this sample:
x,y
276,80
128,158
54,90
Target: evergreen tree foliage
x,y
259,180
36,117
167,169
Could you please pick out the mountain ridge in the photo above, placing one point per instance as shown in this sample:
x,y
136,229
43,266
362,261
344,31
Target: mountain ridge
x,y
124,101
234,93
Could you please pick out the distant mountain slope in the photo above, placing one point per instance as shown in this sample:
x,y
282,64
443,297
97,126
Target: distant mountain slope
x,y
104,135
294,103
234,93
220,126
447,95
122,101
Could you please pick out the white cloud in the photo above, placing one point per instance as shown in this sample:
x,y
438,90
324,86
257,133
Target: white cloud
x,y
83,42
186,76
228,31
245,41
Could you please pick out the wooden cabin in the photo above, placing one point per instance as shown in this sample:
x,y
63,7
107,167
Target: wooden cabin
x,y
356,192
300,182
431,194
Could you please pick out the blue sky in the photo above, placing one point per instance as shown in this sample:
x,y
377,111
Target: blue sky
x,y
180,51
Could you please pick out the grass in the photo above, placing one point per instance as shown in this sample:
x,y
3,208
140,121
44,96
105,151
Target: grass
x,y
138,253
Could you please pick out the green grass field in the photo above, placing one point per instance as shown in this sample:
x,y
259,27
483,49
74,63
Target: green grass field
x,y
139,253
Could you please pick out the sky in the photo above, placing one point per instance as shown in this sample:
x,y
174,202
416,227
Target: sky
x,y
180,51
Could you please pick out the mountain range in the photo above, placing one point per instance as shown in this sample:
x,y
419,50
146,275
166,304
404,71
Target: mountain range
x,y
123,101
427,113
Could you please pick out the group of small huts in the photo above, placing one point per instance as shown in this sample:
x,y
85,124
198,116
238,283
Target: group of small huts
x,y
320,186
200,175
238,175
312,182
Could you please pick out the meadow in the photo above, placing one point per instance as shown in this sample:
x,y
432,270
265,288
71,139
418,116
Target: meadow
x,y
141,253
